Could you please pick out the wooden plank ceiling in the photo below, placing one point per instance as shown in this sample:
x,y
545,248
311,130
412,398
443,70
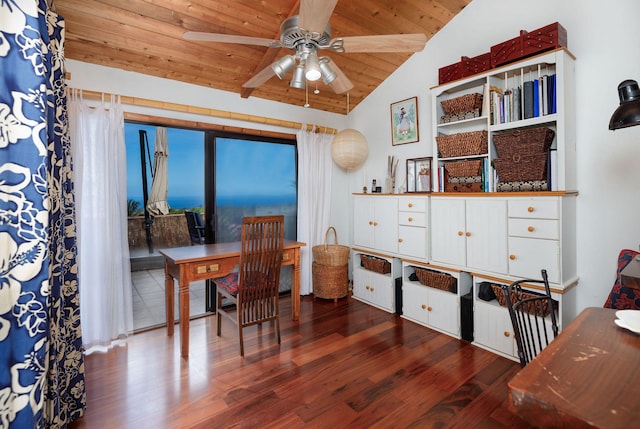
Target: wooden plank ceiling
x,y
146,36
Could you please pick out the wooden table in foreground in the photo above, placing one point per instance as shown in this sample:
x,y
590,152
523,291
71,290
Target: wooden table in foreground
x,y
589,376
209,261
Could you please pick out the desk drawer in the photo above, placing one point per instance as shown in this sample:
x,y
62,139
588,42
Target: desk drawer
x,y
534,208
205,270
535,228
288,256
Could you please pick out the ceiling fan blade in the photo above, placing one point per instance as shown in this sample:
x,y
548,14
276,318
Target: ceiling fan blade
x,y
315,14
230,38
259,78
382,43
342,83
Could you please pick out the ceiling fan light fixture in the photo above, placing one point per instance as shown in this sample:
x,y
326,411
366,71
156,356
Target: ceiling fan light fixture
x,y
298,78
312,67
327,73
283,65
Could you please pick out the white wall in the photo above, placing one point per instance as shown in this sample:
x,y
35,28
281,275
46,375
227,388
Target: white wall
x,y
608,173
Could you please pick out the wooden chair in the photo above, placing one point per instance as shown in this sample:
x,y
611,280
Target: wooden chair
x,y
196,227
254,289
533,317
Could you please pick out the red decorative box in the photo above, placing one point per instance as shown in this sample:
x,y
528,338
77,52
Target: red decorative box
x,y
549,37
543,39
475,65
507,51
449,73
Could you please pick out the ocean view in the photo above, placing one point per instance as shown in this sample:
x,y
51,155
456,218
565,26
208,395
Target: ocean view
x,y
188,202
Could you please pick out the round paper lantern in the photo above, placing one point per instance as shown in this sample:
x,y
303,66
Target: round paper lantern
x,y
349,149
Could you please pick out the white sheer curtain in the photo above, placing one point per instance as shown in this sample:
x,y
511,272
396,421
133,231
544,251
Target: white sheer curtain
x,y
314,196
104,273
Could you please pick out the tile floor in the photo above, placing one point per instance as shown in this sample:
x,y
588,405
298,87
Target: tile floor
x,y
148,298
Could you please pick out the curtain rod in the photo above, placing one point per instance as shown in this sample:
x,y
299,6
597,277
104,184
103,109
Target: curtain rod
x,y
143,102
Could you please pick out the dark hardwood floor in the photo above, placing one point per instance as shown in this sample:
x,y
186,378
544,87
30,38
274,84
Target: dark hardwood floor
x,y
343,364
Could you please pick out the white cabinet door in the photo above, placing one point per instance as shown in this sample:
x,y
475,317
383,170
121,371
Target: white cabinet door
x,y
443,310
382,291
386,224
486,233
375,223
412,241
363,218
528,256
414,302
448,242
492,328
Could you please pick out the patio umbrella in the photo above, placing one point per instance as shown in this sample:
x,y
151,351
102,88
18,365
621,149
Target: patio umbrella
x,y
157,204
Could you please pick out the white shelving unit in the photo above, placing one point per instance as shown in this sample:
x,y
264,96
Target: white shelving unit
x,y
559,62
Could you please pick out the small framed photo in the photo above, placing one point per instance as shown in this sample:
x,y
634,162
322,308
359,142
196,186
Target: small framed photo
x,y
419,175
404,121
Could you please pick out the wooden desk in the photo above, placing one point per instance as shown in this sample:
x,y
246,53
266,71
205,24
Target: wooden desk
x,y
588,376
209,261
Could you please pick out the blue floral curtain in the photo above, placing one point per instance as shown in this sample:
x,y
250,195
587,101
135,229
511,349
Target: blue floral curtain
x,y
41,361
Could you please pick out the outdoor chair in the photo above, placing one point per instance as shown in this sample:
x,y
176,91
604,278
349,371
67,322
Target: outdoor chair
x,y
254,288
533,317
196,227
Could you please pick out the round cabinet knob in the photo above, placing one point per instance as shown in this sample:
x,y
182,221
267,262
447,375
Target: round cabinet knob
x,y
507,333
400,240
468,234
371,288
460,233
512,257
410,205
530,209
367,287
370,222
423,306
531,229
410,219
375,223
429,309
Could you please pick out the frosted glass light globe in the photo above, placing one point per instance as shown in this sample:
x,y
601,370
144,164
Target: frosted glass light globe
x,y
349,149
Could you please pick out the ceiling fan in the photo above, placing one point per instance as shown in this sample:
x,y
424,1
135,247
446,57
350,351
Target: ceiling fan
x,y
306,34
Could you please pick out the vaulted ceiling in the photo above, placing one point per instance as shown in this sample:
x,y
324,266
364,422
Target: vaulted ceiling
x,y
146,36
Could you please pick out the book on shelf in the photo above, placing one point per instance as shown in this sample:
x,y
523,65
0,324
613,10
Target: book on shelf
x,y
536,98
528,99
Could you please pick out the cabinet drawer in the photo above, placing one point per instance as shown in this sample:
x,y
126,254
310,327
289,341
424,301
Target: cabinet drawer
x,y
535,228
412,204
412,219
547,208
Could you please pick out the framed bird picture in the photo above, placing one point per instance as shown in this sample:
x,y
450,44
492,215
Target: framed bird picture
x,y
404,121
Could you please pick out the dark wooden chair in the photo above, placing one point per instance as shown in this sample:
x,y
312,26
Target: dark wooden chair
x,y
196,227
254,289
533,317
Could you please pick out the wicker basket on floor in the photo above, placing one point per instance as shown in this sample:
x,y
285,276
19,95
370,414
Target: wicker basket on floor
x,y
331,255
330,282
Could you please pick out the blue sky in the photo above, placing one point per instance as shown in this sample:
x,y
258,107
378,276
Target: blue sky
x,y
243,167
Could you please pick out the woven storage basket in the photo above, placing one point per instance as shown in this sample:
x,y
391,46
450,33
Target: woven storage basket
x,y
542,308
527,141
377,265
330,282
522,168
462,144
331,254
435,279
462,104
464,168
